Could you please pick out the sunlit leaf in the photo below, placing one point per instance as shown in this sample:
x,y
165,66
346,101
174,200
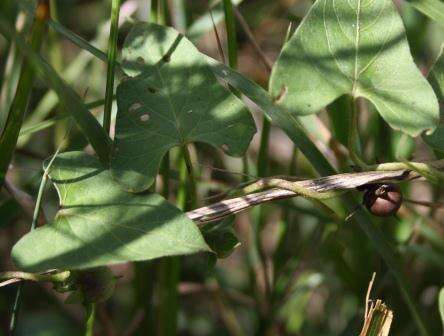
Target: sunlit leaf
x,y
436,76
175,99
100,224
441,304
359,48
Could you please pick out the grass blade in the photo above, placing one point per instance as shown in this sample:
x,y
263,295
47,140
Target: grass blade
x,y
11,73
230,25
77,40
8,138
73,104
177,10
39,126
70,73
112,51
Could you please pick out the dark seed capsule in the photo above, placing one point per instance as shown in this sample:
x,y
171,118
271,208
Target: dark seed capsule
x,y
382,200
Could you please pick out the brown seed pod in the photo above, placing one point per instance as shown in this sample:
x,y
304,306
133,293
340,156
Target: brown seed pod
x,y
382,200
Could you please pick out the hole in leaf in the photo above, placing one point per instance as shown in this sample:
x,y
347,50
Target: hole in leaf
x,y
135,106
144,117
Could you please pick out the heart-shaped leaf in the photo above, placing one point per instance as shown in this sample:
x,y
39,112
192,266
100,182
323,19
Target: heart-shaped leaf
x,y
436,77
100,224
355,47
175,99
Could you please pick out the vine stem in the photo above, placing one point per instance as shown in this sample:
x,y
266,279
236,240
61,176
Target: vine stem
x,y
190,180
353,137
56,277
90,318
280,187
169,268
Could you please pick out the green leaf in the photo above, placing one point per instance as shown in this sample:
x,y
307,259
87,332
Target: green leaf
x,y
434,9
100,224
441,305
221,237
174,99
436,77
355,47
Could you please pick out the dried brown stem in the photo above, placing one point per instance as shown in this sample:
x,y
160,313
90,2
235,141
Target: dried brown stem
x,y
321,185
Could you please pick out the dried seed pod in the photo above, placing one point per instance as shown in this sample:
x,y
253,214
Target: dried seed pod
x,y
382,200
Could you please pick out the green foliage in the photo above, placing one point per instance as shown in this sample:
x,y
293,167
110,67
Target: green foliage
x,y
70,100
291,125
100,224
441,305
221,238
436,76
301,268
175,99
357,48
11,121
434,9
91,285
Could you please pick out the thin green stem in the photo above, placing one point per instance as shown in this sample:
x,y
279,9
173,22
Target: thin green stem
x,y
245,168
168,280
144,284
55,51
178,14
353,137
15,307
169,268
56,61
112,53
262,159
289,32
256,252
161,12
90,316
430,170
165,171
230,25
282,252
273,182
39,126
190,181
